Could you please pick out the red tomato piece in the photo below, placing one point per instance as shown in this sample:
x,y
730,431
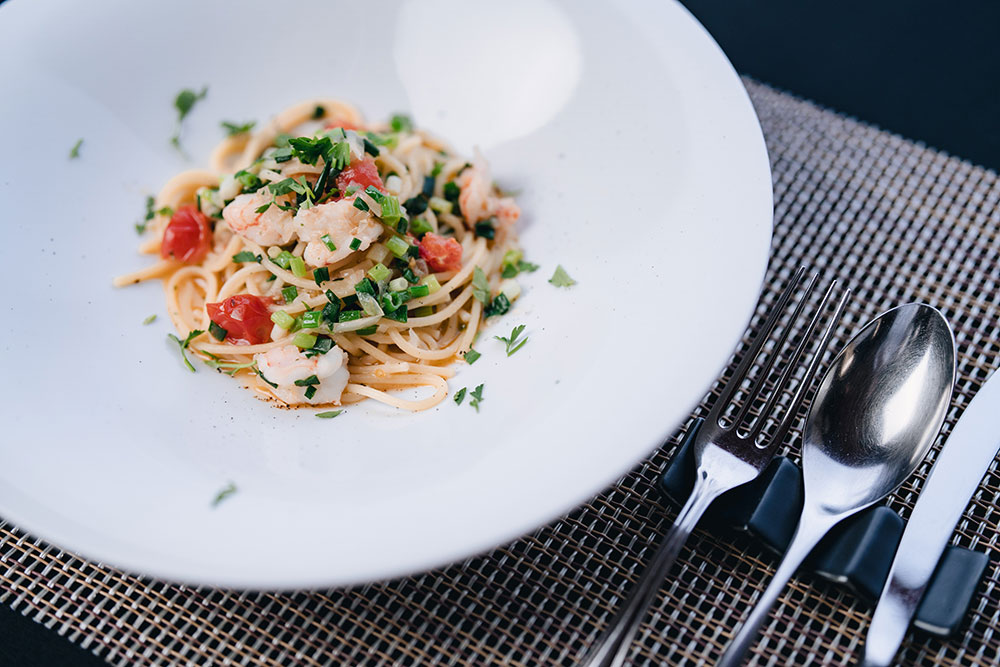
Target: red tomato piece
x,y
245,318
344,124
187,237
440,253
362,173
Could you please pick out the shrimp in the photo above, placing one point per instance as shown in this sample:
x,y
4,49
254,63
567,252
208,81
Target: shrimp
x,y
284,365
271,227
479,199
343,223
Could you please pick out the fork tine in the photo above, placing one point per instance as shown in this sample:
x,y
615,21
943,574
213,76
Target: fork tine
x,y
800,391
758,342
765,370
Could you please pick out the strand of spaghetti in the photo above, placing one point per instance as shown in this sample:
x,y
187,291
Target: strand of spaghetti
x,y
238,279
225,348
465,343
400,381
381,370
223,157
184,318
439,316
224,257
459,279
150,272
440,392
430,355
181,188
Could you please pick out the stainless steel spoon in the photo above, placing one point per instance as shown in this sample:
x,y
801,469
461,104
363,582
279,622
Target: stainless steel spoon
x,y
875,415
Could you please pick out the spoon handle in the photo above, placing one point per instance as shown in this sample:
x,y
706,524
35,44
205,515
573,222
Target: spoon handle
x,y
811,529
612,647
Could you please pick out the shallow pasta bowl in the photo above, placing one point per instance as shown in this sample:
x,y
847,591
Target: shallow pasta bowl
x,y
639,164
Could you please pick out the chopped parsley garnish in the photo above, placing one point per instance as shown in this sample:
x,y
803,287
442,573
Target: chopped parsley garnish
x,y
150,319
217,332
289,293
330,414
225,492
227,367
401,123
499,306
140,227
460,396
471,356
266,381
184,102
312,379
183,344
480,287
477,397
512,343
246,256
75,151
233,129
321,275
560,278
328,242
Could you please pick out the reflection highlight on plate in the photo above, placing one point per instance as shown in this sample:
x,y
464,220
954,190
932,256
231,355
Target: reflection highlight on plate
x,y
502,72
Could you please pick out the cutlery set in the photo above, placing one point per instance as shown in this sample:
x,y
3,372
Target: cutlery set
x,y
874,416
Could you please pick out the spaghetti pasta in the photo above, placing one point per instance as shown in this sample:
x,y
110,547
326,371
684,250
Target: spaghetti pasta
x,y
324,260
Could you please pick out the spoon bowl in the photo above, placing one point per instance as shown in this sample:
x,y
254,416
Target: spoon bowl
x,y
873,419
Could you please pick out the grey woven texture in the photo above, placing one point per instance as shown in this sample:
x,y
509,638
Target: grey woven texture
x,y
895,221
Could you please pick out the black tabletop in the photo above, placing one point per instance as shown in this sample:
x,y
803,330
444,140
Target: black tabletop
x,y
927,70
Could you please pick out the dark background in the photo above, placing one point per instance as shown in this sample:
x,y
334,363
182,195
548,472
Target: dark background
x,y
927,70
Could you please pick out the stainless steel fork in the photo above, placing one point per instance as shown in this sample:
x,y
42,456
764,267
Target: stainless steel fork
x,y
726,455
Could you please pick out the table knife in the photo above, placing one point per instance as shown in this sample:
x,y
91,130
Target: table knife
x,y
955,476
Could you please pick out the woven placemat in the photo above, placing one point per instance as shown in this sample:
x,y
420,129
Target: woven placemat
x,y
894,220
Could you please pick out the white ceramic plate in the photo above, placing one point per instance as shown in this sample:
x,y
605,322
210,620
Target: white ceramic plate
x,y
642,171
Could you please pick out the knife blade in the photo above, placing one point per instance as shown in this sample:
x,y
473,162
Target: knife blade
x,y
956,474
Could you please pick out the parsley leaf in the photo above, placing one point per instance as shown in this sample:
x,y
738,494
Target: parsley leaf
x,y
75,152
471,356
232,129
560,278
477,397
184,102
183,344
512,343
227,367
401,123
329,414
246,256
225,492
150,319
480,287
460,396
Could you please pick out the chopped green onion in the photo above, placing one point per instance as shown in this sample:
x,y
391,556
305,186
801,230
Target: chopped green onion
x,y
351,189
499,306
283,319
322,346
397,284
330,313
397,246
419,227
436,171
398,315
232,129
428,188
304,340
321,275
409,275
330,414
361,204
75,151
471,356
349,315
379,273
298,267
451,191
415,205
310,392
328,242
417,291
391,213
480,286
355,244
283,154
401,123
218,333
366,286
312,379
560,278
246,256
432,284
283,259
318,112
422,311
249,181
460,396
150,319
440,205
367,331
402,226
310,319
370,148
289,293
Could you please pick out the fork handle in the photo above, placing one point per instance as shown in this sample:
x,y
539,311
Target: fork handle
x,y
613,646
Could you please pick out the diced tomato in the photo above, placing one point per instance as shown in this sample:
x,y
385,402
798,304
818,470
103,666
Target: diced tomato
x,y
245,318
441,254
187,236
361,172
345,124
